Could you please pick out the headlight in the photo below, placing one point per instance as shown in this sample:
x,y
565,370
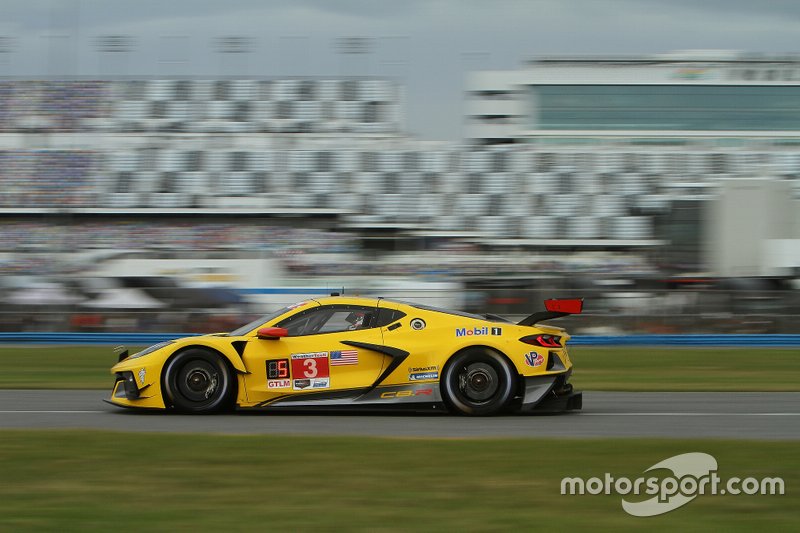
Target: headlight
x,y
151,349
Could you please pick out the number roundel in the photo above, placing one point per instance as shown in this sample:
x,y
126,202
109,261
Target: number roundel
x,y
313,365
417,324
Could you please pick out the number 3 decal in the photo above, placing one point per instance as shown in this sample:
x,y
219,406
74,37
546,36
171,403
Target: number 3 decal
x,y
310,370
310,365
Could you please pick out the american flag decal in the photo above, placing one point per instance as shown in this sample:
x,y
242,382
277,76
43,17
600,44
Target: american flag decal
x,y
344,357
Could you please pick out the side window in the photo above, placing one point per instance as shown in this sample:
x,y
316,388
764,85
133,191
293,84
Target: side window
x,y
345,320
302,323
388,316
330,319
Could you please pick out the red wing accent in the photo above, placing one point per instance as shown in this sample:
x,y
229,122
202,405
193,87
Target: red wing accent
x,y
572,307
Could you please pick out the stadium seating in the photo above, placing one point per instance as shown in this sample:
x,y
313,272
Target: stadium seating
x,y
336,144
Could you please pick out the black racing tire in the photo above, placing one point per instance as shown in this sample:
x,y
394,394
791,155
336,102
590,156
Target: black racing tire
x,y
198,381
478,382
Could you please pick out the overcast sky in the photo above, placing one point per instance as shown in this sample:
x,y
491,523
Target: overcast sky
x,y
428,44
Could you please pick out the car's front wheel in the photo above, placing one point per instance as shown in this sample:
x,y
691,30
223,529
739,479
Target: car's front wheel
x,y
198,381
478,382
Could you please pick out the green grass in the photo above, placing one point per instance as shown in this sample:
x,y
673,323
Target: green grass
x,y
686,369
606,368
101,481
56,367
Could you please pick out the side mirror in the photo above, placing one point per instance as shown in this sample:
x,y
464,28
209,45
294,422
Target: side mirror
x,y
272,333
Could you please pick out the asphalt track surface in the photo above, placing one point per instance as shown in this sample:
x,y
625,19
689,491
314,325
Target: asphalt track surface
x,y
745,415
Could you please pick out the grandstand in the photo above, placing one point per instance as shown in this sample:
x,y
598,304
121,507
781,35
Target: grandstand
x,y
333,153
356,106
303,148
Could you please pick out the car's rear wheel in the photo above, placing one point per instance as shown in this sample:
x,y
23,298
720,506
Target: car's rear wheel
x,y
198,381
478,382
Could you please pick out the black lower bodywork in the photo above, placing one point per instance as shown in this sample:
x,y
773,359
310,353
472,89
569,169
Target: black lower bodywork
x,y
549,394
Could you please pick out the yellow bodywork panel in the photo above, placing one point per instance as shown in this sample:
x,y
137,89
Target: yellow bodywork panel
x,y
341,344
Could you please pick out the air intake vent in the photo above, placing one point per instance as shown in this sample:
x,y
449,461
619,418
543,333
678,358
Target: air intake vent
x,y
554,362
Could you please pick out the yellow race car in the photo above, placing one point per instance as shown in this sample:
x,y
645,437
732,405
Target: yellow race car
x,y
345,352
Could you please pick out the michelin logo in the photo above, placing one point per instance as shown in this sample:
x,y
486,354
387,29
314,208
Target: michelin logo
x,y
421,376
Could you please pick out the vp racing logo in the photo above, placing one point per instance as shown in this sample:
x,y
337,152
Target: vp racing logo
x,y
693,474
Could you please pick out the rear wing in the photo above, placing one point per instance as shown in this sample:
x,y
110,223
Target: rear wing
x,y
555,309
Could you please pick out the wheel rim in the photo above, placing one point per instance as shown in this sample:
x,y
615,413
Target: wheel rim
x,y
478,382
198,381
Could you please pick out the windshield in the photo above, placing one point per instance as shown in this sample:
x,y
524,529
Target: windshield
x,y
257,322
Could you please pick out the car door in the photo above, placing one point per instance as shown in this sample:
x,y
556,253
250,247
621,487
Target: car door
x,y
316,356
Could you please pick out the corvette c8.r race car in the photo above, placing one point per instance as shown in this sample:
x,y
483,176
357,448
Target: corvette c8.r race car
x,y
369,353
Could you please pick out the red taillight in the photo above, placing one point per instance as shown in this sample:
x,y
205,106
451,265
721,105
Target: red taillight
x,y
547,341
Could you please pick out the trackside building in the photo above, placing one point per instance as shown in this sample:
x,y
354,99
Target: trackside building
x,y
662,133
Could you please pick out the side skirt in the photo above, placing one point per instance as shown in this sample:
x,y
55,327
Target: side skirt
x,y
391,396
